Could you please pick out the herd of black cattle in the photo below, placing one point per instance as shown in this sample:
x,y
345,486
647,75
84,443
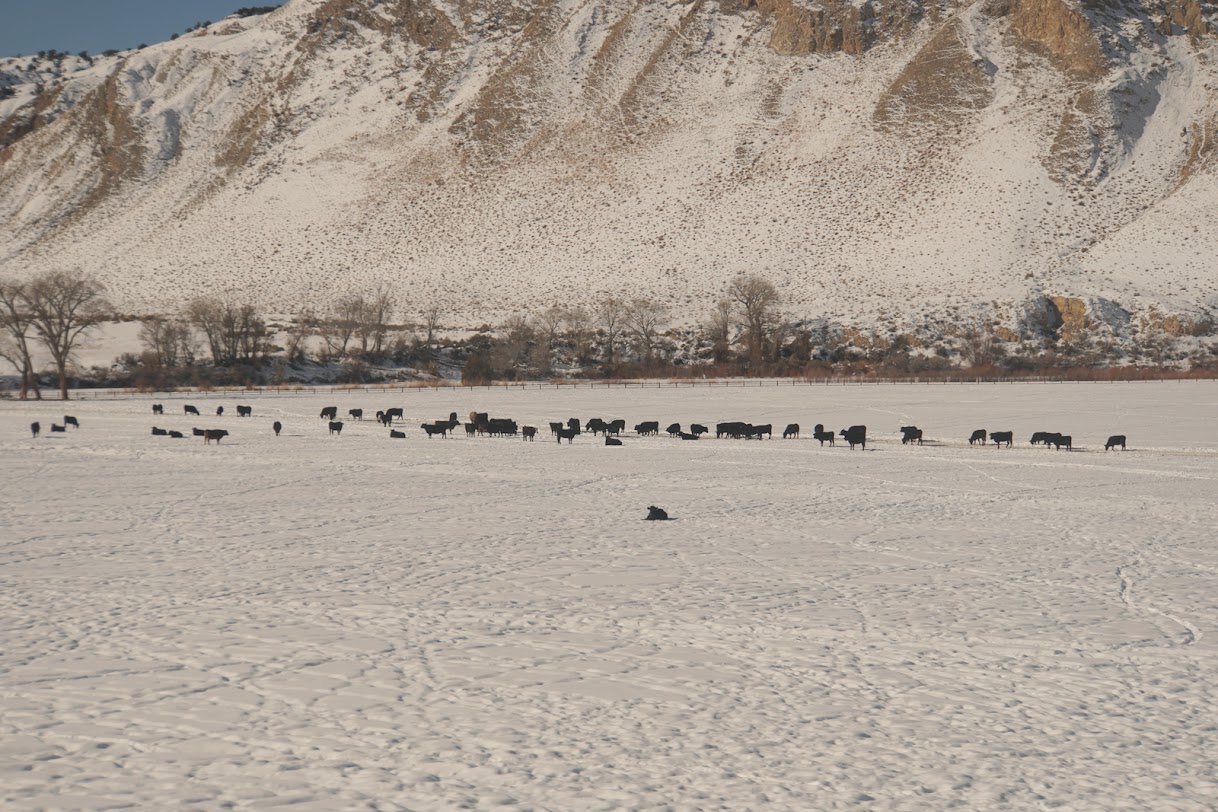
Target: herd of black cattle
x,y
481,423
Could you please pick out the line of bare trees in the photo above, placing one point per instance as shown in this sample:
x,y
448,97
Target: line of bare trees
x,y
55,310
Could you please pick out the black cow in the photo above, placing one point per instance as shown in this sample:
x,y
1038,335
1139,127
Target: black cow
x,y
496,426
757,431
555,428
1114,441
674,429
1041,437
685,435
278,427
617,426
213,434
245,411
355,414
698,429
734,429
792,430
977,436
159,432
596,426
856,435
648,427
397,435
573,424
197,432
528,433
1062,440
69,420
567,434
383,420
395,412
191,410
470,429
35,428
819,433
655,514
176,435
336,427
219,411
158,408
329,413
55,428
435,428
911,434
612,441
1000,437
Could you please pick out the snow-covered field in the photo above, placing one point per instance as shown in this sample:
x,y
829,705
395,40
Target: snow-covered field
x,y
353,622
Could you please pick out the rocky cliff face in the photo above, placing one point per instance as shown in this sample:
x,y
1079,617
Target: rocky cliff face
x,y
869,156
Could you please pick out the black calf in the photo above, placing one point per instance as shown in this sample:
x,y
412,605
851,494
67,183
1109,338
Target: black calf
x,y
397,435
35,428
612,441
219,411
819,433
1000,437
911,434
158,408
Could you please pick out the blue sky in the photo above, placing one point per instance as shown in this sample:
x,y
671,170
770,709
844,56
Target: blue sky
x,y
30,26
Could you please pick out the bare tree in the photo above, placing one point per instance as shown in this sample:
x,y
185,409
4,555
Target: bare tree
x,y
977,345
170,341
64,305
304,325
431,320
645,319
16,327
234,333
756,301
579,333
719,329
374,317
550,323
610,316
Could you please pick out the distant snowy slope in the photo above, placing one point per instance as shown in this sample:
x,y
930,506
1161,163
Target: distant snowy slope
x,y
870,158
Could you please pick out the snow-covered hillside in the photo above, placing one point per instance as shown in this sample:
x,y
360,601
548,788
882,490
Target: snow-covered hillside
x,y
875,160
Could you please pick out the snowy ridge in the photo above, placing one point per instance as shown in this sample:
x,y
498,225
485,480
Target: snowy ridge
x,y
944,162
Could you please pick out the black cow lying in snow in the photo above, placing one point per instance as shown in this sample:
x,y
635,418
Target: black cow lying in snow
x,y
159,432
1000,437
394,434
819,433
176,435
1114,441
791,430
911,434
612,441
655,514
55,428
688,435
197,432
856,435
977,436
